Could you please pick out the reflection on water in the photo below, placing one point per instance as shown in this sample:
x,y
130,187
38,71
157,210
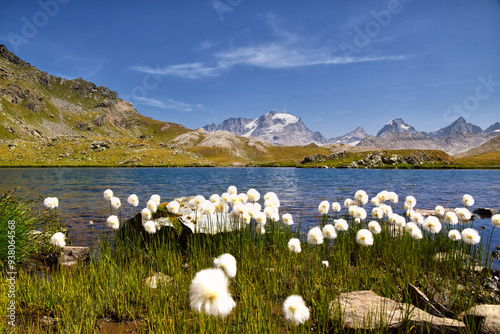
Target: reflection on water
x,y
300,190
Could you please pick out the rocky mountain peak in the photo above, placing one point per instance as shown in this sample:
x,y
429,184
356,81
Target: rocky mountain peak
x,y
460,125
396,125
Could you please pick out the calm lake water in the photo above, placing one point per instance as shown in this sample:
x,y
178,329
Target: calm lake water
x,y
300,190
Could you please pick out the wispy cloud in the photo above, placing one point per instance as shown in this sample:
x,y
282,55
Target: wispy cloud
x,y
287,51
168,104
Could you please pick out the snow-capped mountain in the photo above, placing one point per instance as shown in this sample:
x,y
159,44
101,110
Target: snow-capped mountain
x,y
460,125
493,128
274,127
396,125
351,138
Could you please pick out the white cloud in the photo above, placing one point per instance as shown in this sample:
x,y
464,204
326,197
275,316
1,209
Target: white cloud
x,y
168,104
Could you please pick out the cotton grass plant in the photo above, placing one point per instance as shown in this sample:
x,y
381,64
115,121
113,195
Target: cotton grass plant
x,y
204,294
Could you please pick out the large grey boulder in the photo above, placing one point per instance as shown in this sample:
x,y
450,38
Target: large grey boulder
x,y
366,310
488,316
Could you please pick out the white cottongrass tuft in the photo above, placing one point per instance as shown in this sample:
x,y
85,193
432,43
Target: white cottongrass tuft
x,y
410,202
360,213
261,218
146,214
377,213
468,200
243,198
287,219
315,236
108,194
432,224
413,230
454,235
463,214
471,236
375,201
361,197
329,232
295,310
113,222
58,239
260,229
439,210
323,207
51,202
341,225
294,245
451,218
336,207
116,203
495,220
253,195
383,196
393,197
156,198
150,227
151,205
348,202
386,208
417,218
232,190
209,293
173,207
325,263
374,227
133,200
226,262
364,237
214,198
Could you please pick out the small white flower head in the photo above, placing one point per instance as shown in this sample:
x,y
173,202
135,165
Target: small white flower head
x,y
295,310
287,219
156,198
108,194
270,194
294,245
315,236
199,200
432,224
416,233
146,214
410,227
150,227
393,218
463,214
341,225
113,222
471,236
495,220
400,221
173,207
261,218
246,218
386,208
222,207
253,195
133,200
270,212
323,207
234,199
454,235
51,202
361,197
374,227
439,210
451,218
209,293
468,200
417,218
393,197
329,232
226,262
336,207
348,202
383,196
225,197
151,205
232,190
364,237
243,198
360,213
208,207
58,239
116,203
377,213
352,210
215,199
410,202
325,263
375,201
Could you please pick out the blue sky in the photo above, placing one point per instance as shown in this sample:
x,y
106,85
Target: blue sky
x,y
337,64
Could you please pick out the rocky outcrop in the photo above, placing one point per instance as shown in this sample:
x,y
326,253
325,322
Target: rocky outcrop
x,y
365,310
487,318
70,255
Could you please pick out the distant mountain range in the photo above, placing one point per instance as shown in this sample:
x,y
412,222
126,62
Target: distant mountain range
x,y
288,130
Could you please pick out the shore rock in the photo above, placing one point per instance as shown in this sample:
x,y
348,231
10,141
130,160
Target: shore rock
x,y
366,310
70,255
487,316
485,212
